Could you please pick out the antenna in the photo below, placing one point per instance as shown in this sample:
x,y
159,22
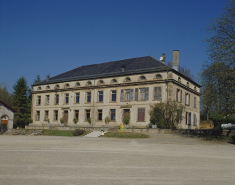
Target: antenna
x,y
161,58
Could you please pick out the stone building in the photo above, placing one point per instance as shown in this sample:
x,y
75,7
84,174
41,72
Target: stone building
x,y
116,89
6,117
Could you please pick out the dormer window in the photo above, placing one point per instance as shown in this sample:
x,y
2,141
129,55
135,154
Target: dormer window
x,y
77,84
48,87
188,84
89,83
57,87
113,81
195,88
66,86
101,82
179,79
127,79
39,88
142,78
158,76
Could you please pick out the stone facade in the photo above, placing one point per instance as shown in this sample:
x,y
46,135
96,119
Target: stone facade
x,y
116,96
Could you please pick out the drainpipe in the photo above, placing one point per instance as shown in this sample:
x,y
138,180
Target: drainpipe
x,y
93,111
167,94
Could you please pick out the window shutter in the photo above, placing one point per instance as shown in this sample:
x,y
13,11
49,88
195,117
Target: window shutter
x,y
177,91
155,93
189,118
195,100
188,99
185,98
121,98
181,96
136,94
146,93
131,94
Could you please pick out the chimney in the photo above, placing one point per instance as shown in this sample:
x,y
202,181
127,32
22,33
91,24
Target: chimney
x,y
123,68
163,57
175,60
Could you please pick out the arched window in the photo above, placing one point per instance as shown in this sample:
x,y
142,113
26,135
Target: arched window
x,y
88,83
158,76
48,87
142,78
101,82
77,84
127,79
66,85
179,79
39,88
195,88
57,87
113,81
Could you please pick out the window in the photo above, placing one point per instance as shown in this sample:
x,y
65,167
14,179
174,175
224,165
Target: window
x,y
88,97
158,76
141,114
113,81
77,84
38,100
39,88
57,87
66,85
37,115
179,95
89,83
77,95
100,96
194,120
188,84
113,95
179,79
46,115
47,99
126,95
127,79
88,114
56,115
142,94
48,87
113,114
189,118
142,78
157,93
66,98
187,99
195,102
76,114
195,88
100,114
56,99
101,82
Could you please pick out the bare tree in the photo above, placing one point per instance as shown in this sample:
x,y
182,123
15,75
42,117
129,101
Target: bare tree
x,y
184,70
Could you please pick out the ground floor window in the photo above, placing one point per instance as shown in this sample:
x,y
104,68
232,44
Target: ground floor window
x,y
46,115
76,114
141,114
56,115
113,114
194,120
88,114
100,114
37,115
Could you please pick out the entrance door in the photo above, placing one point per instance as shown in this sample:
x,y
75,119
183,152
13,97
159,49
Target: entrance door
x,y
66,115
126,113
3,125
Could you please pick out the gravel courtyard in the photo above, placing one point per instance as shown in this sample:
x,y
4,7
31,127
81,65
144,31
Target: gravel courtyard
x,y
162,159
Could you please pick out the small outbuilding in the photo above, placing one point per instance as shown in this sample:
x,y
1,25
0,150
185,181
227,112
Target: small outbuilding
x,y
6,117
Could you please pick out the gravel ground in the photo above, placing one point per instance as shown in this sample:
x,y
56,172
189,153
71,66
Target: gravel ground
x,y
161,159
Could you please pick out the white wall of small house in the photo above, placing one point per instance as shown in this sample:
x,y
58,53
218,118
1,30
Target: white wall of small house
x,y
5,111
106,105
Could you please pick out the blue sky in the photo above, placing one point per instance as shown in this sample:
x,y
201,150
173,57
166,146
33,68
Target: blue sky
x,y
54,36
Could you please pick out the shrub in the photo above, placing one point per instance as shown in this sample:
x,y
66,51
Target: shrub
x,y
89,120
61,120
78,132
75,120
126,120
107,120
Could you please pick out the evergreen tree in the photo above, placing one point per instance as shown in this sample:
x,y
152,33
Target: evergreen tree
x,y
5,95
21,102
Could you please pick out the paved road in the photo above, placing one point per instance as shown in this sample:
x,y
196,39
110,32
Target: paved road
x,y
164,159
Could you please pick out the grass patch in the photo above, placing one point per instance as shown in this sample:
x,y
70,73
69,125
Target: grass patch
x,y
60,133
216,138
125,135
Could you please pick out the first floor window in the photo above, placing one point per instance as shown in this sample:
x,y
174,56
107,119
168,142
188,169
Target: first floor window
x,y
187,99
88,97
38,100
76,114
127,95
66,98
157,93
195,102
113,95
141,114
38,115
47,99
100,96
179,95
77,97
88,114
113,114
46,115
56,115
56,99
194,120
188,118
100,114
142,94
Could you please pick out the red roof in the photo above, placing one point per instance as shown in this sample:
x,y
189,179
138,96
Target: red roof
x,y
8,106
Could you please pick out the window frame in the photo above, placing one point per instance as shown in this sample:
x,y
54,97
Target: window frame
x,y
89,92
112,111
86,113
76,114
113,94
143,108
57,98
66,97
157,97
39,100
38,115
56,113
47,99
46,115
100,97
99,112
77,95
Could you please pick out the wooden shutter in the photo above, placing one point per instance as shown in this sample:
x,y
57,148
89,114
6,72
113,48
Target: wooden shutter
x,y
155,93
131,94
146,93
121,97
141,114
136,94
